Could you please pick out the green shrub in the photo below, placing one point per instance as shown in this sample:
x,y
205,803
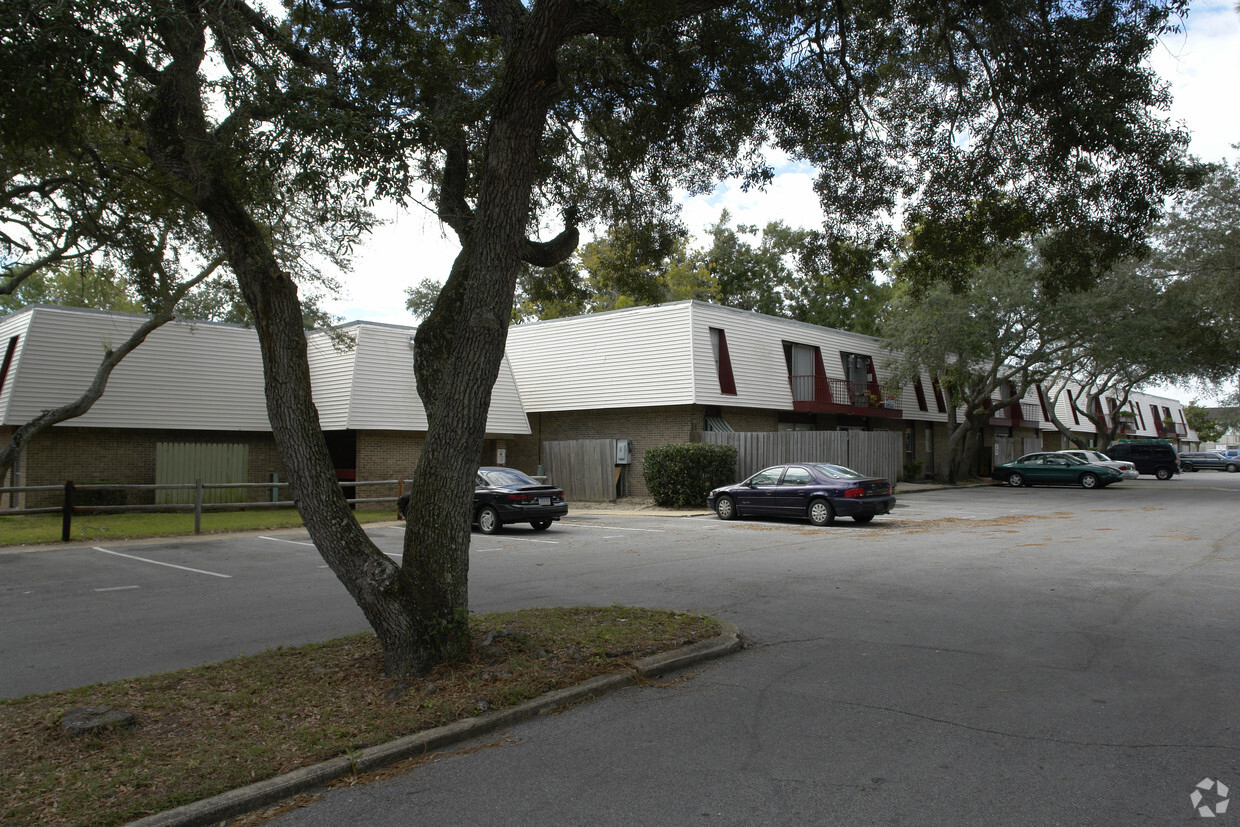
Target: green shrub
x,y
912,470
683,475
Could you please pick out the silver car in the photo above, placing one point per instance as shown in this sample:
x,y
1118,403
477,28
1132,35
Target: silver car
x,y
1098,458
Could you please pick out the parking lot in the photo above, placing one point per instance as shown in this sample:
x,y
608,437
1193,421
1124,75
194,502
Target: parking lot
x,y
87,613
1038,653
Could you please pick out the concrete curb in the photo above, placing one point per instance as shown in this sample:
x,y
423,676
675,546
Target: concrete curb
x,y
255,796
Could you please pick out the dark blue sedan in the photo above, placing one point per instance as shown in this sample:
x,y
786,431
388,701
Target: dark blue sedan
x,y
815,491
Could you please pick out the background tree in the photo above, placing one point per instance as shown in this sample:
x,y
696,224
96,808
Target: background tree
x,y
1198,418
526,117
1122,332
76,284
987,343
1197,258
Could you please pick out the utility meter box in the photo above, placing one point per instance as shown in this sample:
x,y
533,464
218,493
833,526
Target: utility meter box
x,y
624,452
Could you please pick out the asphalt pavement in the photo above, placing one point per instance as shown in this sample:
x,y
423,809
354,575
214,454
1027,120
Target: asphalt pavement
x,y
984,656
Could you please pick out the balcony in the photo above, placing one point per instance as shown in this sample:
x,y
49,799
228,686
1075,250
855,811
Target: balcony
x,y
1016,414
822,395
1171,429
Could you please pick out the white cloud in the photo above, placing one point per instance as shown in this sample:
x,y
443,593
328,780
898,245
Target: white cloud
x,y
1203,67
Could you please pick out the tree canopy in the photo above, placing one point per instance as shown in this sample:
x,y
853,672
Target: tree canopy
x,y
525,119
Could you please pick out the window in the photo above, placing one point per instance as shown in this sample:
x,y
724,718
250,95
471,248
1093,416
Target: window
x,y
8,360
797,476
793,421
767,477
862,380
723,363
1042,401
938,396
802,360
921,394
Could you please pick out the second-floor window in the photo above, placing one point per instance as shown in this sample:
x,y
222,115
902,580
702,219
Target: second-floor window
x,y
723,363
802,370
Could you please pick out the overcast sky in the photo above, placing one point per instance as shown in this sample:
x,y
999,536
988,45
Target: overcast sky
x,y
1202,64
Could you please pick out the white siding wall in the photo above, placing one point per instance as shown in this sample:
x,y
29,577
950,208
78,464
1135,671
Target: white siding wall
x,y
507,415
185,375
15,324
383,395
331,378
372,387
755,348
1143,425
620,359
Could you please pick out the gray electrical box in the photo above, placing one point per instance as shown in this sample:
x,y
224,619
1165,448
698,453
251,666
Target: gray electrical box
x,y
624,452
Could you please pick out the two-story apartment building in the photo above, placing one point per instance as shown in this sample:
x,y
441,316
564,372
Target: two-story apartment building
x,y
646,376
665,374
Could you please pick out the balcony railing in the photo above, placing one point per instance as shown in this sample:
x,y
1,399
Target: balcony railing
x,y
814,393
1171,429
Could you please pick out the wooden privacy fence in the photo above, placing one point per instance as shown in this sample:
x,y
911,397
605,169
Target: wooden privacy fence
x,y
875,453
585,468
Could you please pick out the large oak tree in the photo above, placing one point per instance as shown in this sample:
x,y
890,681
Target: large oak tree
x,y
525,119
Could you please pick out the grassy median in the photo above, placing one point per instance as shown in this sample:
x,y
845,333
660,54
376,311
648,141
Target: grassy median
x,y
208,729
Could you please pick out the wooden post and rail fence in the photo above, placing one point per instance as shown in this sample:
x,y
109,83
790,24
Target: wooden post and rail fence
x,y
197,504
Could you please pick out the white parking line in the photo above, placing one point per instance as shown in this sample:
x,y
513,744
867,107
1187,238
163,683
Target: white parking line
x,y
116,588
282,540
615,528
158,563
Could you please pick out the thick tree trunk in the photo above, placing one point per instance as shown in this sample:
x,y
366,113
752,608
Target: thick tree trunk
x,y
181,142
465,338
385,596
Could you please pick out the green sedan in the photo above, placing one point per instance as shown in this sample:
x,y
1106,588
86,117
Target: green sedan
x,y
1054,469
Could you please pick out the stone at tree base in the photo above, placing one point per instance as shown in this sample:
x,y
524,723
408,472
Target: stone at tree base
x,y
87,719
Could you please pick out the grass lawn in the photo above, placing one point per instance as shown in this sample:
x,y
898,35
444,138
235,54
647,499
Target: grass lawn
x,y
208,729
34,529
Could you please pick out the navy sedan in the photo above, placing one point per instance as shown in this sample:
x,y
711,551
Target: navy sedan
x,y
815,491
505,495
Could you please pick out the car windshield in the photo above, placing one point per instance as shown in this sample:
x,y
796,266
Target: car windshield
x,y
504,477
838,472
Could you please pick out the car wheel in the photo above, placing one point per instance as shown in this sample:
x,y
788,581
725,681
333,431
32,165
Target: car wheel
x,y
541,525
1163,473
725,508
821,512
488,520
1232,467
863,518
1186,467
1015,480
1089,480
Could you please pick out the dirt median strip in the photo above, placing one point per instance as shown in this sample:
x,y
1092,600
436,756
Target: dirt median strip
x,y
262,794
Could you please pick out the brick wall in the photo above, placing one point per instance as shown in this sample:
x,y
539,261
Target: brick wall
x,y
387,455
645,427
121,455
